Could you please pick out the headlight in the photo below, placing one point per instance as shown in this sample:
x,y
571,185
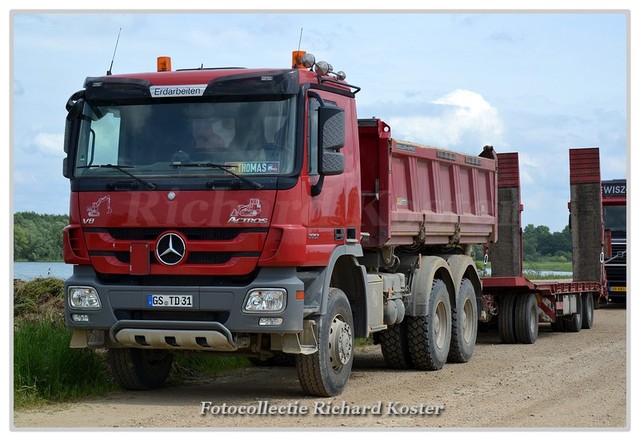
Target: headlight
x,y
84,297
265,300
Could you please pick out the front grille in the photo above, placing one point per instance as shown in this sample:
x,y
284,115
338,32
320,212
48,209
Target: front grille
x,y
175,280
204,257
190,233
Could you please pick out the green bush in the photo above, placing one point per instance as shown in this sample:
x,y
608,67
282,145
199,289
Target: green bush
x,y
39,299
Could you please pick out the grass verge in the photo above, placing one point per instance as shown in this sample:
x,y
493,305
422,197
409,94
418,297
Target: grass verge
x,y
46,370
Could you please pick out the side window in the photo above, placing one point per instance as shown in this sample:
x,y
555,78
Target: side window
x,y
313,136
104,137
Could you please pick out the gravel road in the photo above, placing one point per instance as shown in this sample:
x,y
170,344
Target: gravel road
x,y
564,380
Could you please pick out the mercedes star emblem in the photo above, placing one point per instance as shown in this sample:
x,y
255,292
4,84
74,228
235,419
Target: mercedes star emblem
x,y
170,249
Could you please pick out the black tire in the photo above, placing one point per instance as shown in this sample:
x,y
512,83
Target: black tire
x,y
430,336
464,324
573,323
506,319
140,369
395,346
588,307
526,318
325,373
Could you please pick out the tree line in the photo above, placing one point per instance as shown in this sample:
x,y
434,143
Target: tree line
x,y
38,237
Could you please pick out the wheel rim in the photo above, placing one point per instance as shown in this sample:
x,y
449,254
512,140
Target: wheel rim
x,y
467,321
440,325
340,343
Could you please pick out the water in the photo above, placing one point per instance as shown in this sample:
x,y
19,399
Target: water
x,y
32,270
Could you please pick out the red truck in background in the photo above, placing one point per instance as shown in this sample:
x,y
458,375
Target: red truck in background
x,y
614,207
251,212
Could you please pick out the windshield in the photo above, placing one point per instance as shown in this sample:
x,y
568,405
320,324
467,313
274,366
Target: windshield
x,y
252,137
615,217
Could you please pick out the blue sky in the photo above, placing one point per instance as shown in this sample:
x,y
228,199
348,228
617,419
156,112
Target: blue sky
x,y
537,83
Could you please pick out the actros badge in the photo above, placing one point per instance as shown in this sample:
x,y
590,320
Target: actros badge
x,y
247,213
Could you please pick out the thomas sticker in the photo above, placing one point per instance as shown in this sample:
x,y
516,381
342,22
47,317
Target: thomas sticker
x,y
259,167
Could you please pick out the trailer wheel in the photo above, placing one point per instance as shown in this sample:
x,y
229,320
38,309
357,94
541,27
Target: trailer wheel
x,y
325,373
526,319
395,346
588,306
506,319
464,329
140,369
573,323
430,335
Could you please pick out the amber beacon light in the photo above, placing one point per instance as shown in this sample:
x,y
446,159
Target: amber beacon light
x,y
164,64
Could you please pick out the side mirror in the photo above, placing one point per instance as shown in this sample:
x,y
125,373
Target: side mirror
x,y
75,110
331,138
74,105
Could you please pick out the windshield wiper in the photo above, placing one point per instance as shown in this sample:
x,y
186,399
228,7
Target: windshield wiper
x,y
146,184
224,167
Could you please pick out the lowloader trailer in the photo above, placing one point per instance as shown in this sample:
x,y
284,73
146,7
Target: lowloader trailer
x,y
518,304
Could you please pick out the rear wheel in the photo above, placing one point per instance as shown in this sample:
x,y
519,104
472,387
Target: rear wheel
x,y
464,329
588,306
140,369
573,323
430,335
395,346
526,318
325,372
506,319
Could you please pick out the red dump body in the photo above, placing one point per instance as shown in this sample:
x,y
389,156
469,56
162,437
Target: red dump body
x,y
412,192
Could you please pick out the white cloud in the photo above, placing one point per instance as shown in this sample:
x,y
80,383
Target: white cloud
x,y
466,119
50,144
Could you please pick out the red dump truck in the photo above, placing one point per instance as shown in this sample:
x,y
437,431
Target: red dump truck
x,y
518,305
249,211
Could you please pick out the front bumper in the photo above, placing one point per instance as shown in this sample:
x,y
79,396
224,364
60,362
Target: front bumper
x,y
215,321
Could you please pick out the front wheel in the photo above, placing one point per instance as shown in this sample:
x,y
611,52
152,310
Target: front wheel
x,y
325,372
140,369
